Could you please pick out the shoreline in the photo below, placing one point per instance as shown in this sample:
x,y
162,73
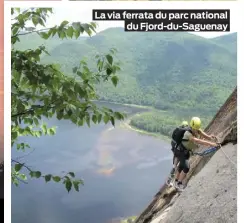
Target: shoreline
x,y
128,105
126,125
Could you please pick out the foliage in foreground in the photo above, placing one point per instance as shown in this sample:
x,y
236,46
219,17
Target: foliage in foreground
x,y
42,91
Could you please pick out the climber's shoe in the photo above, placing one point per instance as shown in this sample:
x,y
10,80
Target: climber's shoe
x,y
168,181
179,186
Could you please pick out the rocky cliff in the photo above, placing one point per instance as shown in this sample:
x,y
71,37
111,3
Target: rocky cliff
x,y
211,194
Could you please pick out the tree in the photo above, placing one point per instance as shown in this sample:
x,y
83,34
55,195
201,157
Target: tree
x,y
42,90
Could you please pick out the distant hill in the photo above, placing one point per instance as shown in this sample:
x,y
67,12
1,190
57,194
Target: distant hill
x,y
179,72
228,41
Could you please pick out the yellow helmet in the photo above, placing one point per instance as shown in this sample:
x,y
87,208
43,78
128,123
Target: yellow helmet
x,y
195,123
184,123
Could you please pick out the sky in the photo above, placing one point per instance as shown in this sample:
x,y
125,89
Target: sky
x,y
84,14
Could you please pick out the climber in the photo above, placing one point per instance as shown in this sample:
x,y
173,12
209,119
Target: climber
x,y
189,142
184,124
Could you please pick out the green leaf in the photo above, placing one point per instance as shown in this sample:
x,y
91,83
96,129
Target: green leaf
x,y
106,119
52,131
38,134
44,128
70,31
61,34
56,179
99,118
14,135
18,167
59,115
118,115
54,31
35,20
48,177
22,176
88,121
71,174
86,27
15,39
77,34
76,185
68,185
75,69
94,119
64,23
77,29
109,71
43,35
81,122
15,181
76,26
109,59
36,174
15,30
40,21
112,120
114,80
94,24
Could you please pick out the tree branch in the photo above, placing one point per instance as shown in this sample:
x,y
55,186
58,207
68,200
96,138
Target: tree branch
x,y
34,31
15,161
20,157
22,181
22,113
31,110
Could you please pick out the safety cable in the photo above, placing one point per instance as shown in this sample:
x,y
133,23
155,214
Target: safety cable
x,y
210,150
229,158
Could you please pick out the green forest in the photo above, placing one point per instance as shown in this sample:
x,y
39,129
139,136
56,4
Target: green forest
x,y
160,122
180,73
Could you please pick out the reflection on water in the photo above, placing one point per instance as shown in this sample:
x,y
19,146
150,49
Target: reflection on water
x,y
106,171
116,164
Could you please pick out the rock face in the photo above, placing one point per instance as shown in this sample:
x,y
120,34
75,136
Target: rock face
x,y
211,194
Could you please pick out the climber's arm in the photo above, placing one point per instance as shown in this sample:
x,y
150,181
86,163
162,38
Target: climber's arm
x,y
203,142
205,135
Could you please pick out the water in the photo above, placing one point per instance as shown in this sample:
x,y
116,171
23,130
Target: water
x,y
122,171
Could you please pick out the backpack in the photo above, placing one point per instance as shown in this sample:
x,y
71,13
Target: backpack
x,y
178,135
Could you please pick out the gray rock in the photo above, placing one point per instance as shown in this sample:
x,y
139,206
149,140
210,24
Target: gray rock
x,y
211,195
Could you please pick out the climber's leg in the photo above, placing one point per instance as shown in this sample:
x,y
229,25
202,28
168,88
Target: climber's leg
x,y
183,174
179,168
185,170
175,162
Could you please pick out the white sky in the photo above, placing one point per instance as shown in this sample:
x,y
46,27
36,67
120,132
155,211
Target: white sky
x,y
84,14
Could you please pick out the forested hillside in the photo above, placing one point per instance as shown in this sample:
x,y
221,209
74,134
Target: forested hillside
x,y
179,72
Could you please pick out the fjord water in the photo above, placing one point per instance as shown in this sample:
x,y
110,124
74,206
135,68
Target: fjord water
x,y
121,168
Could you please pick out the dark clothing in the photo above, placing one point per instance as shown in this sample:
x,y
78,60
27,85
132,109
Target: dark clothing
x,y
183,155
173,145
